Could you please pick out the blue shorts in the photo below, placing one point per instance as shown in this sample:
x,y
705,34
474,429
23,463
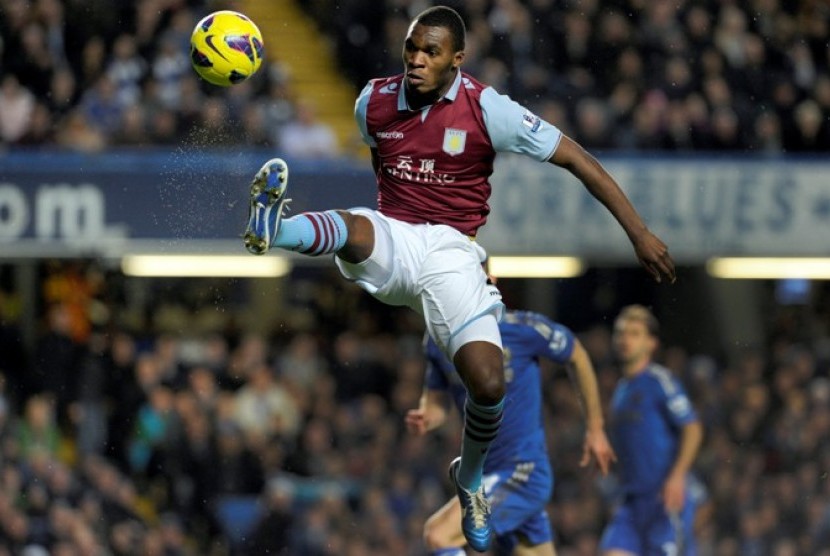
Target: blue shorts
x,y
518,497
642,526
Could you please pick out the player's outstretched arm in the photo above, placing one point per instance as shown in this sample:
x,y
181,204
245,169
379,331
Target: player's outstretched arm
x,y
430,414
651,251
596,446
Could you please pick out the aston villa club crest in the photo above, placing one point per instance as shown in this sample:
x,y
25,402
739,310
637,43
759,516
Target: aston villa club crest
x,y
454,141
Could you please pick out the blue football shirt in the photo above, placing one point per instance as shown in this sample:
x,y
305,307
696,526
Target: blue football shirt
x,y
647,413
526,337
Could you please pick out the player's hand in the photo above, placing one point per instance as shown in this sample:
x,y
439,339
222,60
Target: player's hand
x,y
597,448
416,422
674,492
654,256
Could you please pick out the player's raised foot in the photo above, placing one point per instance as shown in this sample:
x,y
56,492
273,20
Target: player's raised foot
x,y
475,512
267,204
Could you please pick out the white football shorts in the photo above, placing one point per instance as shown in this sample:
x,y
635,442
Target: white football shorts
x,y
435,270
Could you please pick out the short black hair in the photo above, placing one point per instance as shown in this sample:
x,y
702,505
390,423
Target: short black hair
x,y
448,18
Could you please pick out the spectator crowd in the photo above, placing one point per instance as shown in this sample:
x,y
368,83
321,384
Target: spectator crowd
x,y
93,75
675,75
173,437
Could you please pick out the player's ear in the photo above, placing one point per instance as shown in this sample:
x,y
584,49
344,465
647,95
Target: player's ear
x,y
458,59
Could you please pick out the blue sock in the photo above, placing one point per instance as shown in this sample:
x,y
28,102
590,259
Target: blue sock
x,y
448,552
481,425
312,233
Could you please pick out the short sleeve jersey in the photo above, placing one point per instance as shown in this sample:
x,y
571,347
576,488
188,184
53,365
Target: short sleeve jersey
x,y
647,412
435,162
527,337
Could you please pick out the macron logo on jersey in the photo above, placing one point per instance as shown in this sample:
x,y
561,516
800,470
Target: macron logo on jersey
x,y
389,135
532,121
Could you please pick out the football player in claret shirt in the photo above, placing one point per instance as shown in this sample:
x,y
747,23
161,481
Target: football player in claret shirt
x,y
657,435
434,132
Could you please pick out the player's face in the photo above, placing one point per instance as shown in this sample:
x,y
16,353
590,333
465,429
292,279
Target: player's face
x,y
430,62
633,344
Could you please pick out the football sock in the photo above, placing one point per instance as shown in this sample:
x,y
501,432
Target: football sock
x,y
481,424
312,233
448,552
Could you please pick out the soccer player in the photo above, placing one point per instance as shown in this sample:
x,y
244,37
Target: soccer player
x,y
518,479
656,435
433,133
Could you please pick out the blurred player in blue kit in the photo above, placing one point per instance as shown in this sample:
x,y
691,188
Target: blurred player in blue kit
x,y
434,132
656,435
518,479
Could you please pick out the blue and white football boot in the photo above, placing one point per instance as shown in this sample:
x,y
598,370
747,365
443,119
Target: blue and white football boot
x,y
268,202
475,512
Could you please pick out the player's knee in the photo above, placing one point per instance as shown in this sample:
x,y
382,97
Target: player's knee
x,y
481,368
488,387
361,238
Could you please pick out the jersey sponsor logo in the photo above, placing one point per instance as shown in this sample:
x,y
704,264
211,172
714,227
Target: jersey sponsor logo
x,y
422,171
389,89
532,121
454,141
389,135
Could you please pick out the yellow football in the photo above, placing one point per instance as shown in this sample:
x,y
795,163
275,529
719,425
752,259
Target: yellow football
x,y
226,48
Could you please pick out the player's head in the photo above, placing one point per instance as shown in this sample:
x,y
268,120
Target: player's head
x,y
636,335
433,51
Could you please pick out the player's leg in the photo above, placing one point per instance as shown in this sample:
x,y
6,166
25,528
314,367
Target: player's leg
x,y
442,531
481,368
310,233
479,363
461,311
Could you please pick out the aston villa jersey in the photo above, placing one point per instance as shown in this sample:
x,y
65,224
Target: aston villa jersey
x,y
435,162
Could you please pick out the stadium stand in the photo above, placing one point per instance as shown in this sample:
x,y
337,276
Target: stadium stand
x,y
669,76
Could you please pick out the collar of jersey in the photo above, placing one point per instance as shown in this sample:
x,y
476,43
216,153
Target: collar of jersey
x,y
450,95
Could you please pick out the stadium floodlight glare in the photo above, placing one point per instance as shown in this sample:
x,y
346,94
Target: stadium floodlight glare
x,y
232,266
770,268
536,267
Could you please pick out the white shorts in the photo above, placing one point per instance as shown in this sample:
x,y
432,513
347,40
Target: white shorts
x,y
435,270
